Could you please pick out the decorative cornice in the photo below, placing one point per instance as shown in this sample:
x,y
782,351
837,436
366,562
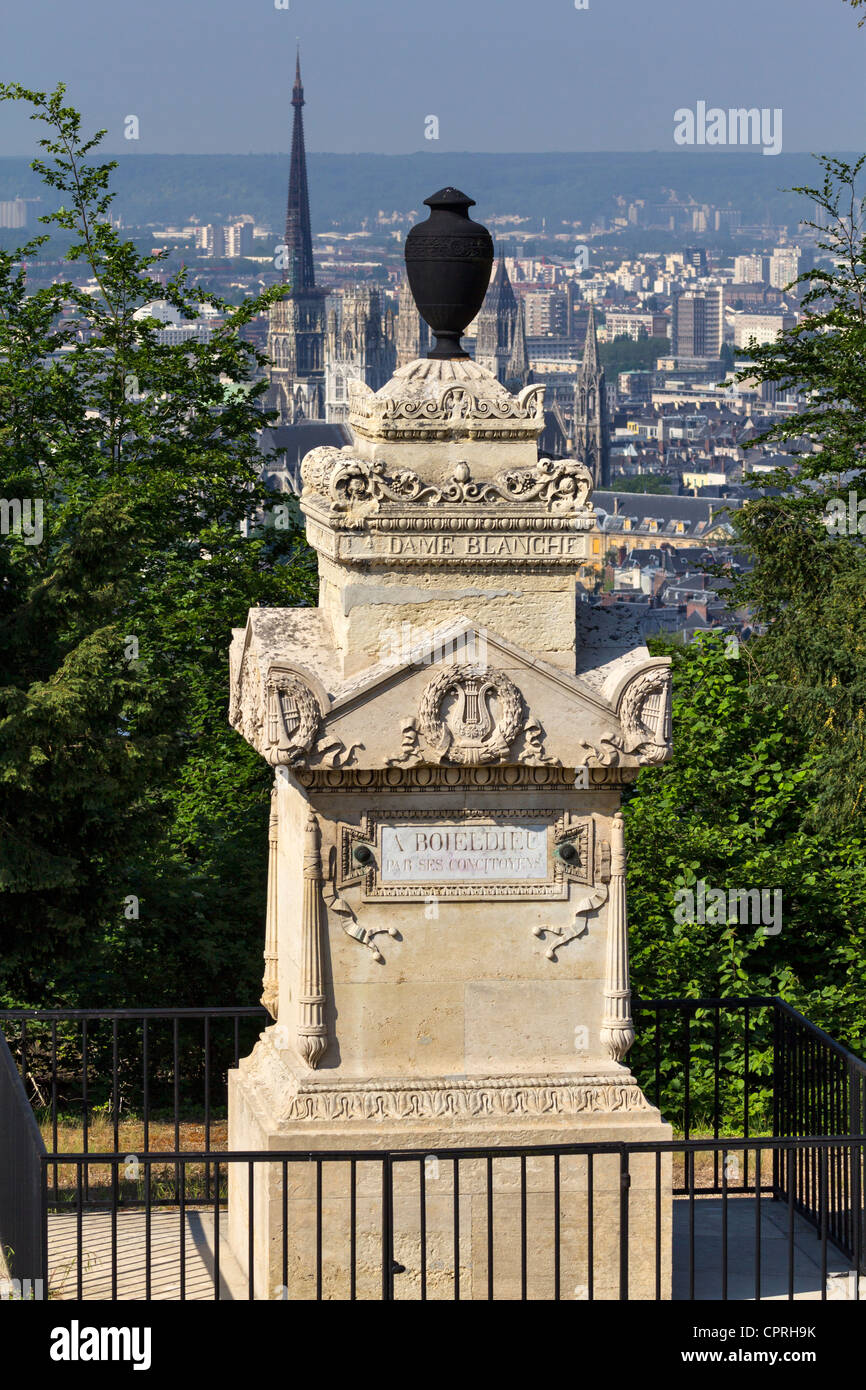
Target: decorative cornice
x,y
445,400
356,489
475,1098
437,779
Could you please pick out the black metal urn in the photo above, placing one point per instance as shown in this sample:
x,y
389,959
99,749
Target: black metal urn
x,y
448,261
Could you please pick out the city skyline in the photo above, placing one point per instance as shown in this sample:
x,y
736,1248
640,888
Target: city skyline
x,y
497,80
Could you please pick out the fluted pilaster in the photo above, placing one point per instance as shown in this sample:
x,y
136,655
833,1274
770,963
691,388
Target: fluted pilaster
x,y
270,979
312,1033
617,1028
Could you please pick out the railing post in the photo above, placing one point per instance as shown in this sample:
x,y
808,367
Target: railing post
x,y
387,1229
855,1128
777,1099
624,1185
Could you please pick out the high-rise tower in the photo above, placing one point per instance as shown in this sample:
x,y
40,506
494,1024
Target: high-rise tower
x,y
591,444
296,332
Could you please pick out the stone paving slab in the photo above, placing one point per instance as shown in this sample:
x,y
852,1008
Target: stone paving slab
x,y
199,1255
742,1261
165,1247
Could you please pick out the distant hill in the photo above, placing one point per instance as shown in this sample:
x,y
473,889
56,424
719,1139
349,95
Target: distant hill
x,y
346,188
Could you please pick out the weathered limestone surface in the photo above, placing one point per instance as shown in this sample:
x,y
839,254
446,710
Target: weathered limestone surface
x,y
447,944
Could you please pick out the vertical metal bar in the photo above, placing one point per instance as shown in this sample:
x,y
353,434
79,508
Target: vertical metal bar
x,y
725,1226
84,1096
285,1279
387,1232
422,1194
251,1228
54,1109
114,1100
353,1217
523,1273
490,1256
457,1230
145,1060
216,1230
758,1167
557,1254
690,1169
318,1230
823,1187
182,1209
687,1068
590,1227
856,1199
717,1062
777,1154
79,1229
207,1086
624,1182
658,1205
175,1040
789,1154
747,1068
148,1235
114,1202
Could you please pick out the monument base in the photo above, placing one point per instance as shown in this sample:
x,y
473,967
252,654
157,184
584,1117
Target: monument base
x,y
550,1226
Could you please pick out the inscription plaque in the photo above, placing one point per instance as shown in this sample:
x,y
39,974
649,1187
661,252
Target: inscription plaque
x,y
508,852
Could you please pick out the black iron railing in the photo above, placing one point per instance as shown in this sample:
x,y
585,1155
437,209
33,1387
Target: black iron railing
x,y
819,1088
564,1222
709,1064
94,1067
769,1107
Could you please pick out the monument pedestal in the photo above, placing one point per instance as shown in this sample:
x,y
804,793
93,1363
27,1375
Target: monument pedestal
x,y
447,940
527,1215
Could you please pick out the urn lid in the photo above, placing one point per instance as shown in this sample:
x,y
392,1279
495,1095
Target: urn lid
x,y
448,263
449,198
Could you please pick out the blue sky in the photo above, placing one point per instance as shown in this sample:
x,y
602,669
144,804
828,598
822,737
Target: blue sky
x,y
215,76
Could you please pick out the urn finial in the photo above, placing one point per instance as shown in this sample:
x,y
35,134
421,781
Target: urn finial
x,y
448,262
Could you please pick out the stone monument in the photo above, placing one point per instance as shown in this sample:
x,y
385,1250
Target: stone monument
x,y
446,942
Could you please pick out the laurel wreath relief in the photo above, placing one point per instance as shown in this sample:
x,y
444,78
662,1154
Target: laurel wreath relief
x,y
495,744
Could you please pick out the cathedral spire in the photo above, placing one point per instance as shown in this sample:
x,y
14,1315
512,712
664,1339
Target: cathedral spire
x,y
496,323
590,365
299,271
591,437
517,372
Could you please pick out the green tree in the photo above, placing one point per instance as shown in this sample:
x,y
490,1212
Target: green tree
x,y
809,570
731,807
626,354
132,821
643,482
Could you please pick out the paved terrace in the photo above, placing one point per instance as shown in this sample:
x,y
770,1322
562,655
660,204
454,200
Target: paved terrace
x,y
199,1255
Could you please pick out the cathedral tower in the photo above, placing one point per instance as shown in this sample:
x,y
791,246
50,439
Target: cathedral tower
x,y
496,324
591,443
296,331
